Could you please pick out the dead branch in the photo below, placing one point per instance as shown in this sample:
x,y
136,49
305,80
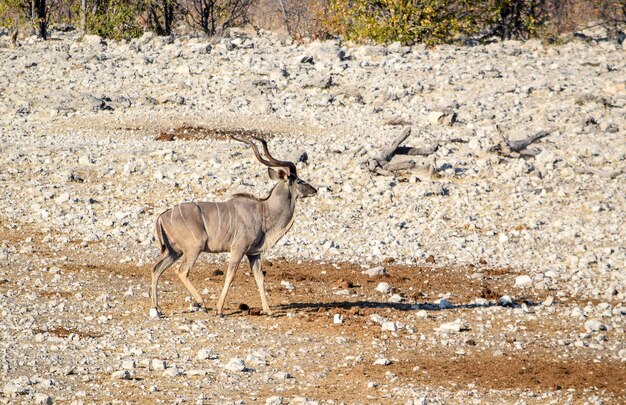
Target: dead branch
x,y
13,34
391,150
384,164
519,148
592,170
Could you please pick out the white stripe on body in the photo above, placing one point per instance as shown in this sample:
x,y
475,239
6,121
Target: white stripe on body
x,y
186,224
206,230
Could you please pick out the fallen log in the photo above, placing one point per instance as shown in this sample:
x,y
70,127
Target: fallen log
x,y
383,164
519,148
598,172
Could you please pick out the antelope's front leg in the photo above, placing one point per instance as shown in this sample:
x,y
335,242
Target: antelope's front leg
x,y
255,266
233,264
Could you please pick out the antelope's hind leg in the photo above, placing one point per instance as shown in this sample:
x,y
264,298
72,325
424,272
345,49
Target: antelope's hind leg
x,y
189,259
166,260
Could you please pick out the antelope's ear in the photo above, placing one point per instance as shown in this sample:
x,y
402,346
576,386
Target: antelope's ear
x,y
277,175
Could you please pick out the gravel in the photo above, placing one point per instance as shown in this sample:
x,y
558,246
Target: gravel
x,y
83,179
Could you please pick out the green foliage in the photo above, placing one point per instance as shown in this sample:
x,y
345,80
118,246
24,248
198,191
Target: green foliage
x,y
115,19
11,9
428,21
434,21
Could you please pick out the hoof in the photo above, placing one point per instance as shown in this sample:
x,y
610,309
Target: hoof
x,y
154,313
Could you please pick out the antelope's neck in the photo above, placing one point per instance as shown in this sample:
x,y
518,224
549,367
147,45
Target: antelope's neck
x,y
278,214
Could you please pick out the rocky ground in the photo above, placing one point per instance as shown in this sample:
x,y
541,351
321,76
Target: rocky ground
x,y
496,279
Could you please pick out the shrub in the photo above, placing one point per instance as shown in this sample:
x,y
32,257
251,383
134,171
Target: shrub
x,y
115,19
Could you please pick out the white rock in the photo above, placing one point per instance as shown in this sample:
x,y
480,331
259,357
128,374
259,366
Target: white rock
x,y
128,364
384,288
172,372
196,372
120,375
282,375
14,388
505,301
154,313
287,285
523,281
389,326
338,319
445,304
157,364
206,354
43,399
454,326
396,298
593,325
421,314
375,271
85,160
503,238
235,364
378,319
382,362
275,400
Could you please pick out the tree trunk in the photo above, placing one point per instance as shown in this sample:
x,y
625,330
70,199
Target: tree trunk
x,y
83,15
168,16
38,15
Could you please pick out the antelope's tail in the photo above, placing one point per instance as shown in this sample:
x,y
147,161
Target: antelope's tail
x,y
161,235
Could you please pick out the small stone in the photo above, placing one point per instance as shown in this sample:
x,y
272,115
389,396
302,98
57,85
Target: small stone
x,y
454,326
128,364
421,314
120,375
196,372
206,354
445,304
375,271
338,319
43,399
503,238
154,313
282,375
389,326
377,319
287,285
235,364
275,400
158,364
593,325
396,298
382,362
523,281
172,372
505,301
384,288
548,301
85,160
15,388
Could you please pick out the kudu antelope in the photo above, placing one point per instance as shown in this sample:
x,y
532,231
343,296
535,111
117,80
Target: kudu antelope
x,y
243,225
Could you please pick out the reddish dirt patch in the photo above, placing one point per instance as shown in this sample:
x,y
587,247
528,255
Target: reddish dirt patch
x,y
63,332
192,133
485,371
